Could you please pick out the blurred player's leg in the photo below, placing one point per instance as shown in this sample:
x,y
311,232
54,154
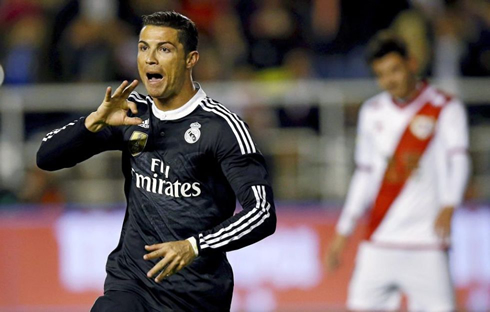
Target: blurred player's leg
x,y
427,282
372,287
119,301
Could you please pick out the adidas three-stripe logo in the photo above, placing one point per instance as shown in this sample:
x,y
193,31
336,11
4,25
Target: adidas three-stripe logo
x,y
242,226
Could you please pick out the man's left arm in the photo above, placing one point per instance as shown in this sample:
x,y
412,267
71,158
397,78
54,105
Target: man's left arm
x,y
245,170
454,131
244,167
247,175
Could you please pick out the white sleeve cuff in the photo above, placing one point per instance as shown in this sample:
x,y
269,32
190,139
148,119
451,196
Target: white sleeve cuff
x,y
193,242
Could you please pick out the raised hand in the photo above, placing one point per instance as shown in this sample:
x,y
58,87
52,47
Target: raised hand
x,y
176,255
114,109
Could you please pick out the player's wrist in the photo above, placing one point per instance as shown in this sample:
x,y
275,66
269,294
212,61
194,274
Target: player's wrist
x,y
94,123
448,207
192,240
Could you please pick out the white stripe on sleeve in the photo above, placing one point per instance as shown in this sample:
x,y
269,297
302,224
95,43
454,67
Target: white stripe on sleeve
x,y
56,131
239,130
136,97
246,133
242,226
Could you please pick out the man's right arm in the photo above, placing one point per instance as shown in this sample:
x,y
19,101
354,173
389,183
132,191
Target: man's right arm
x,y
83,138
72,144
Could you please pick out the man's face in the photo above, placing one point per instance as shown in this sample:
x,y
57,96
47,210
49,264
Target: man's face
x,y
161,61
395,74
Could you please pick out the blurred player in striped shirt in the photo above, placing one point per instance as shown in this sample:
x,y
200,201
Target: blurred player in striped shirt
x,y
412,167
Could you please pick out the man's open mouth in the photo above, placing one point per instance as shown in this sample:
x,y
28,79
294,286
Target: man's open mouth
x,y
154,77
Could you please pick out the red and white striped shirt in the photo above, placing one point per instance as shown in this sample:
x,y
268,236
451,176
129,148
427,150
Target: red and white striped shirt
x,y
438,180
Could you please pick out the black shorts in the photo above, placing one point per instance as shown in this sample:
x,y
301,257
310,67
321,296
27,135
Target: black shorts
x,y
120,301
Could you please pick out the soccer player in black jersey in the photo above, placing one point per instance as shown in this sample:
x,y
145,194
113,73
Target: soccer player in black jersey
x,y
186,160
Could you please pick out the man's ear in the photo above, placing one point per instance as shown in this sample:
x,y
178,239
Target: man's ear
x,y
191,59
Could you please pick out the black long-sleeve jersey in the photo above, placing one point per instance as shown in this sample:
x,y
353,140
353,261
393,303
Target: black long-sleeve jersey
x,y
184,170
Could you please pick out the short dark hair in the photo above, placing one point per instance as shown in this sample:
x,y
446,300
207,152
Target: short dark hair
x,y
383,44
188,34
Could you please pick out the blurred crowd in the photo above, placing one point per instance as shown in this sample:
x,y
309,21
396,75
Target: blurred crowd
x,y
95,40
58,41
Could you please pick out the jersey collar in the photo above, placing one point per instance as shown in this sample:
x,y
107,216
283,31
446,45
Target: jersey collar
x,y
182,111
420,88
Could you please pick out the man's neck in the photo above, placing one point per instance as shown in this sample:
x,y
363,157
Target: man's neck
x,y
177,100
412,95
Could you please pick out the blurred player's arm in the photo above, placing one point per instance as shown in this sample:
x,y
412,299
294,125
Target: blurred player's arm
x,y
358,199
83,138
358,196
454,130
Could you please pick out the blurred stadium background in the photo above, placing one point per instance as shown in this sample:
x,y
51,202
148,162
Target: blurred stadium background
x,y
293,69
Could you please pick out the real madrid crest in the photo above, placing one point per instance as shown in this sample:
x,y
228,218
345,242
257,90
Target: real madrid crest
x,y
422,126
137,142
193,134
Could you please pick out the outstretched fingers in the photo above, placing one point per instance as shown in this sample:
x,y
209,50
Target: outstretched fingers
x,y
154,251
153,247
130,88
170,269
108,94
119,91
162,264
